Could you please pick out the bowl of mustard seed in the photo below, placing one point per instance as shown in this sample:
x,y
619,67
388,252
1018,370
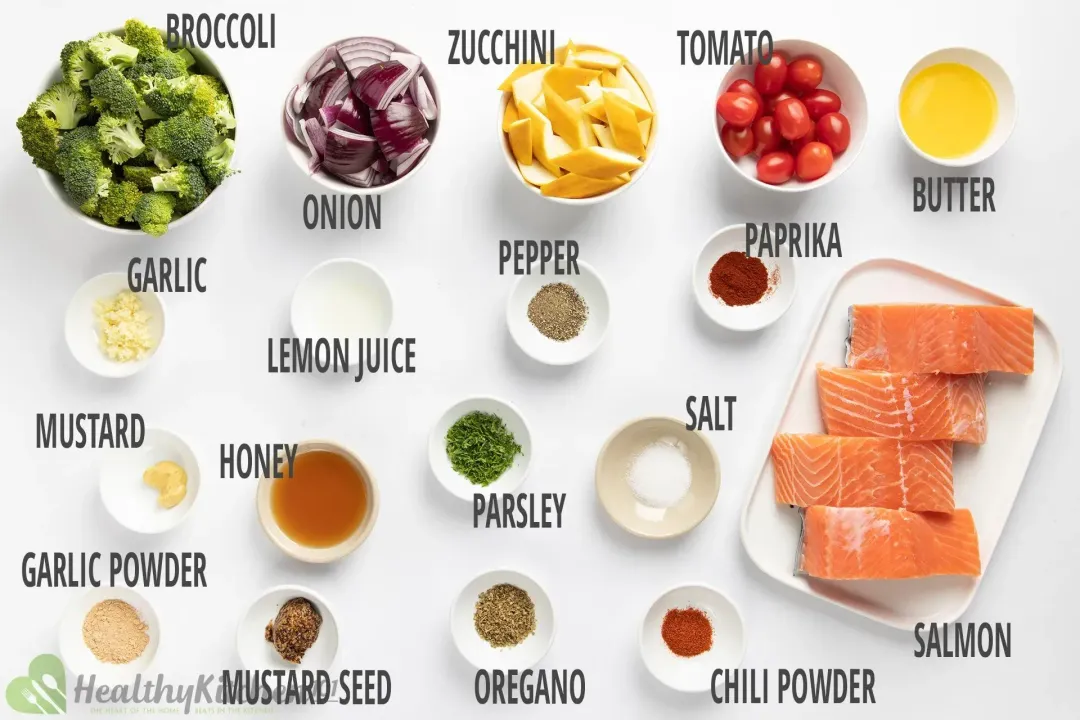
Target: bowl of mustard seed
x,y
503,620
288,627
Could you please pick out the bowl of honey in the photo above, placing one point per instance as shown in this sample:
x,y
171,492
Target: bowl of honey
x,y
322,507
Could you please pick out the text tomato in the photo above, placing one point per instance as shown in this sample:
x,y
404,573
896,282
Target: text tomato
x,y
746,87
769,78
736,108
776,168
804,74
815,159
793,119
821,102
766,136
834,130
737,141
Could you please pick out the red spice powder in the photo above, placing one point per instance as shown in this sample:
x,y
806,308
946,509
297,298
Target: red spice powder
x,y
737,279
687,632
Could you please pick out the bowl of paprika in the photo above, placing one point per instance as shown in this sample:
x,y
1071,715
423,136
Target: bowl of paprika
x,y
739,290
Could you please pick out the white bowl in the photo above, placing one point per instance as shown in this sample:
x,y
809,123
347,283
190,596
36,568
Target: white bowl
x,y
300,155
133,503
77,657
840,78
742,317
650,146
81,332
476,650
1003,89
205,66
256,653
693,674
342,298
553,352
458,484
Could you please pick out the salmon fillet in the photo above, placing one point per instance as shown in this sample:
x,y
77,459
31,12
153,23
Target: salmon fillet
x,y
875,543
957,339
906,406
863,472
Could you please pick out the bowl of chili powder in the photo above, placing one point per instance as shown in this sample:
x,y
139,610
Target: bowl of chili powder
x,y
689,632
741,291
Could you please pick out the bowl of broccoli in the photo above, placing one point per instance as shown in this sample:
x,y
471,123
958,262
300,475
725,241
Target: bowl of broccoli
x,y
131,136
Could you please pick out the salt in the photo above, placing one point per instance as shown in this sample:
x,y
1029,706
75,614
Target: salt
x,y
659,475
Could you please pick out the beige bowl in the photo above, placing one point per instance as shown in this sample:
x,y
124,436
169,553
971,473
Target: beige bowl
x,y
312,554
618,499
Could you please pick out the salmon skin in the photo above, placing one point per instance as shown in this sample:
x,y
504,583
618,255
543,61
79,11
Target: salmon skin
x,y
905,406
863,472
880,544
957,339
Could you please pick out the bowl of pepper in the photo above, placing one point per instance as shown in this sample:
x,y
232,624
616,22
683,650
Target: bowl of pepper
x,y
737,290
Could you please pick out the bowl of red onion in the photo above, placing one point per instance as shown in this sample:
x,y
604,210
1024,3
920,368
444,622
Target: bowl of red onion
x,y
362,115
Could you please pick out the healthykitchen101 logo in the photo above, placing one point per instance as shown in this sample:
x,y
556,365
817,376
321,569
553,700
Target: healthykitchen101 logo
x,y
42,690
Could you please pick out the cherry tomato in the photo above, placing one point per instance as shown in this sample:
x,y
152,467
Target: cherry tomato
x,y
792,118
771,103
766,135
821,102
737,109
769,79
737,141
804,74
815,159
798,143
776,168
746,87
834,130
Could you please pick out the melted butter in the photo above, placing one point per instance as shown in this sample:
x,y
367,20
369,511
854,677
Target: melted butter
x,y
948,110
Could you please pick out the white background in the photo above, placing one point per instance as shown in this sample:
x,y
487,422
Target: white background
x,y
438,249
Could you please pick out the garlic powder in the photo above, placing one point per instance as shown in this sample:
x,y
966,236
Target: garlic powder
x,y
123,327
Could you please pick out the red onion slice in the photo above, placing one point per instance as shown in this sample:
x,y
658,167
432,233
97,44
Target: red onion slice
x,y
318,93
423,98
290,119
364,178
329,114
336,92
314,135
356,54
326,61
406,162
354,115
398,129
347,152
379,84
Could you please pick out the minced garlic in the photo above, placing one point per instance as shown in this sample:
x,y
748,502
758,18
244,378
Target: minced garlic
x,y
123,327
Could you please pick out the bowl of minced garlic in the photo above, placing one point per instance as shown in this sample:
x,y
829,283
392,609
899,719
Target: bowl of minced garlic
x,y
112,331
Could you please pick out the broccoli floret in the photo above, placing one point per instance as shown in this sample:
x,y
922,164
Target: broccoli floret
x,y
154,212
40,138
187,57
121,138
215,163
223,114
188,184
142,176
78,158
64,104
167,65
113,93
145,39
107,49
204,95
77,63
184,137
161,160
119,203
166,96
90,207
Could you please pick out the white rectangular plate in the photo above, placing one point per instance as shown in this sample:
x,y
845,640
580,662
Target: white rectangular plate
x,y
987,477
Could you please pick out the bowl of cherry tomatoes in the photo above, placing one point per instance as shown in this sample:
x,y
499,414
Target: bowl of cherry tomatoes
x,y
794,123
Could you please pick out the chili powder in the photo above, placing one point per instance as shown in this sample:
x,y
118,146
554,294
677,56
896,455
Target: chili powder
x,y
687,632
738,279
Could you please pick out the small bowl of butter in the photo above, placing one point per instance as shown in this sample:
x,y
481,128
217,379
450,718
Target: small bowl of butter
x,y
151,488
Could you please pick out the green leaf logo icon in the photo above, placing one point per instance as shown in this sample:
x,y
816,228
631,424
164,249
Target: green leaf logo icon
x,y
42,691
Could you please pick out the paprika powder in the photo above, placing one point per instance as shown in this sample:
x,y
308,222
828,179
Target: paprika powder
x,y
738,279
687,632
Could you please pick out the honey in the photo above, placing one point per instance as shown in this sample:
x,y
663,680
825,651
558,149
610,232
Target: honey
x,y
323,502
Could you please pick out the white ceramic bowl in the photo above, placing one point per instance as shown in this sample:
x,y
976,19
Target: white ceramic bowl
x,y
205,66
81,331
256,653
476,650
342,298
693,674
742,317
133,503
650,146
1003,89
300,155
79,660
533,343
319,554
458,484
840,78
